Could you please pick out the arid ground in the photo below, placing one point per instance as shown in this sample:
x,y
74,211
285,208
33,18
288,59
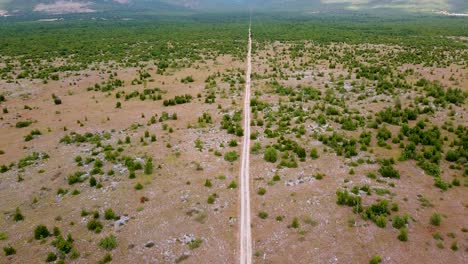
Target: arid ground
x,y
358,153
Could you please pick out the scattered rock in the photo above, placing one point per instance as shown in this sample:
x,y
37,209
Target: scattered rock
x,y
122,221
300,180
187,238
149,244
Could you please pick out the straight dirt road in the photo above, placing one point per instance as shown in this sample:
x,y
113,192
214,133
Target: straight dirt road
x,y
245,231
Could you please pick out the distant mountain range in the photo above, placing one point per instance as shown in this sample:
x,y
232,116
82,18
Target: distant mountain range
x,y
55,7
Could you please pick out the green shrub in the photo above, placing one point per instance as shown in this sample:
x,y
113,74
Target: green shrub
x,y
188,79
295,223
108,243
149,166
454,246
345,198
399,221
9,250
64,246
383,134
211,199
387,170
232,185
57,101
94,225
21,124
314,154
41,232
452,155
263,215
375,260
403,236
381,221
106,259
231,156
51,257
441,184
18,216
208,183
92,181
257,146
138,186
377,213
76,177
270,155
436,219
109,214
194,243
74,254
261,191
276,177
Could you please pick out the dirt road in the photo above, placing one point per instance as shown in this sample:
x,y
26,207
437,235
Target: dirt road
x,y
245,231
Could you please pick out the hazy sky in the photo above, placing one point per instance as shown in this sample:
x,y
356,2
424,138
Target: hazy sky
x,y
3,2
426,5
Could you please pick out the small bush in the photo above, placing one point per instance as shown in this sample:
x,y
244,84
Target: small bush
x,y
276,177
106,259
232,185
188,79
92,181
375,260
231,156
21,124
261,191
270,155
18,216
51,257
194,243
345,198
314,154
381,221
257,146
109,214
436,219
149,166
387,170
295,223
208,183
64,246
108,243
454,246
211,199
403,236
94,225
263,215
138,186
9,250
319,176
41,232
452,155
76,177
399,221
